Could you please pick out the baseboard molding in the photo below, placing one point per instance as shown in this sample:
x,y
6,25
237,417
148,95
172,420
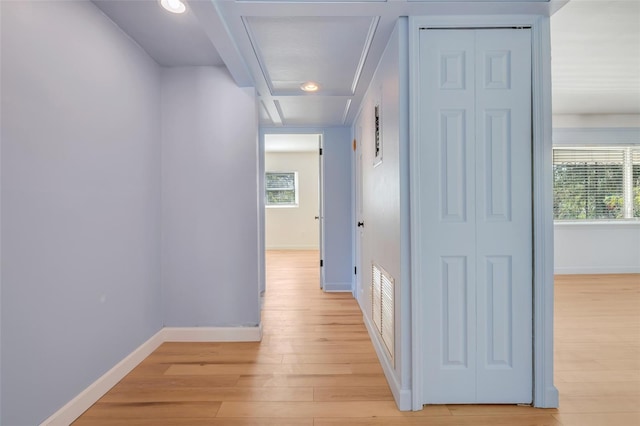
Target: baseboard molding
x,y
594,270
212,334
551,398
401,396
85,399
337,287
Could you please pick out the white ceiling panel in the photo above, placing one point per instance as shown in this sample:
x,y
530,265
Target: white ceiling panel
x,y
596,57
328,50
311,110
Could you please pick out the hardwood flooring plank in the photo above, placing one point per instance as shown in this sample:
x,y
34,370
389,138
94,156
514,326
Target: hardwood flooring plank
x,y
194,422
323,409
599,419
153,410
244,369
488,410
174,394
330,358
524,420
315,381
162,381
344,393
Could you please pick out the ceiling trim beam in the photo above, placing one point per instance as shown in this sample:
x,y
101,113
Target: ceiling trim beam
x,y
216,29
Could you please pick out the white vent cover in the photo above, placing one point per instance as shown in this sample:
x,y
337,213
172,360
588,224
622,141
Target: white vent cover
x,y
382,306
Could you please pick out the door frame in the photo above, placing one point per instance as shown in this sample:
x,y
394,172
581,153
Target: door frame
x,y
358,291
545,393
261,187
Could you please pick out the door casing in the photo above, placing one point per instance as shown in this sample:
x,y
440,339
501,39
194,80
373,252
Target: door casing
x,y
544,392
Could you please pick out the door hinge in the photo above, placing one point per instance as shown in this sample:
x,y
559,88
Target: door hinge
x,y
320,151
355,270
321,263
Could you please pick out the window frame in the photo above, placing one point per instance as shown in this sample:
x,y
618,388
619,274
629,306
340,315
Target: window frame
x,y
296,189
592,138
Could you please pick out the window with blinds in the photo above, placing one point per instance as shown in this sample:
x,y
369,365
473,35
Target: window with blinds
x,y
281,189
592,183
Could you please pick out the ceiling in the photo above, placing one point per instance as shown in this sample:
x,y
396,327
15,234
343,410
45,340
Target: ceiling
x,y
291,143
277,45
596,57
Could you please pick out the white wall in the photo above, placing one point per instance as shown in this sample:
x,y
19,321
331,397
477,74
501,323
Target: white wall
x,y
80,202
385,239
580,121
596,247
294,228
210,256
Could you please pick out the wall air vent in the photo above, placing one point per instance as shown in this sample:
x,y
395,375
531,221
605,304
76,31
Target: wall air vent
x,y
382,307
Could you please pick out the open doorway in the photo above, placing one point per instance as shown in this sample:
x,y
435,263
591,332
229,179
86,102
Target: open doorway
x,y
293,196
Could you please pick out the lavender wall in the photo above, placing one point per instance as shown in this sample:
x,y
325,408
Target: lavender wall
x,y
80,202
210,269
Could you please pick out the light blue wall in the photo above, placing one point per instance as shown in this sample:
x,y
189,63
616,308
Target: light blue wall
x,y
80,202
210,270
385,187
337,151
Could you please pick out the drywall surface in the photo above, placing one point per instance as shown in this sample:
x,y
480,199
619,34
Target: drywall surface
x,y
210,253
295,227
80,202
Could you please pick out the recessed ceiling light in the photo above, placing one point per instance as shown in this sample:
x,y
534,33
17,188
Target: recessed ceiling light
x,y
173,6
310,86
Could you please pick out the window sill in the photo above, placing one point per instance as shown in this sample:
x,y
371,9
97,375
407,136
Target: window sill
x,y
287,206
603,222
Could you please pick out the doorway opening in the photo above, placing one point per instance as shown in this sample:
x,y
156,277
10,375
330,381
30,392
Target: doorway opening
x,y
293,192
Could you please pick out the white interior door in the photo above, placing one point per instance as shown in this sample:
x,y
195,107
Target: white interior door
x,y
476,130
358,212
321,209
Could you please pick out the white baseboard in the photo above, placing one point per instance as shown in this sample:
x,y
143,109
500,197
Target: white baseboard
x,y
401,396
596,270
337,287
551,398
212,334
85,399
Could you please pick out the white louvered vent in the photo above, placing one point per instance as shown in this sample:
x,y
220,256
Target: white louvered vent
x,y
382,306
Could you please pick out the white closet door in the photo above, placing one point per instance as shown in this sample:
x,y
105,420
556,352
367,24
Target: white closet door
x,y
503,216
448,175
476,189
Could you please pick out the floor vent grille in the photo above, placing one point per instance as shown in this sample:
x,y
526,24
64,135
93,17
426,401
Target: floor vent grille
x,y
382,307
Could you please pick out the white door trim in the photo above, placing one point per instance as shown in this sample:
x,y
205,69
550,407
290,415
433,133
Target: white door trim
x,y
261,153
544,392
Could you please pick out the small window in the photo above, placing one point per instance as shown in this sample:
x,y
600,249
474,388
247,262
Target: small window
x,y
591,183
281,189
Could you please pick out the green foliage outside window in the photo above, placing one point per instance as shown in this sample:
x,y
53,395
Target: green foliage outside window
x,y
281,189
589,184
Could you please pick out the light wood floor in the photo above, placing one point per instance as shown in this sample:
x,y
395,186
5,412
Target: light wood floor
x,y
316,365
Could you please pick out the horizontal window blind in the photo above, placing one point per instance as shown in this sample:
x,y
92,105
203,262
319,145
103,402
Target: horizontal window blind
x,y
596,183
281,188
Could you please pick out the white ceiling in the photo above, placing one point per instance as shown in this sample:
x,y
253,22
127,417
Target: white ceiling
x,y
291,143
596,57
277,45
